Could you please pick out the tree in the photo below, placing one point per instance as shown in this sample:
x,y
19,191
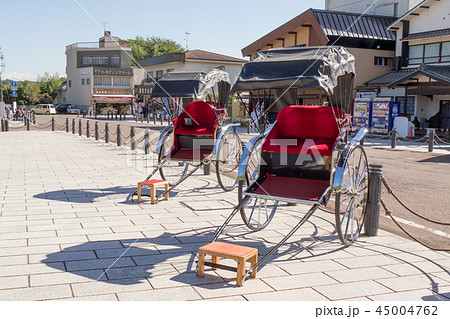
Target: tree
x,y
154,46
48,84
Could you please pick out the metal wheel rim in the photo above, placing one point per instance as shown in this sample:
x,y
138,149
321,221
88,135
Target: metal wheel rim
x,y
171,170
227,163
351,200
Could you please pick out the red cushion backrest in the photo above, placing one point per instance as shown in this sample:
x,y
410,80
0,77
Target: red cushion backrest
x,y
307,122
201,113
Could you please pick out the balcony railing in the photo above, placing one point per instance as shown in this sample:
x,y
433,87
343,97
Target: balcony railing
x,y
97,45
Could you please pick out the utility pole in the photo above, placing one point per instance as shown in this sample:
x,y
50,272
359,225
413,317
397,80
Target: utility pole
x,y
2,66
187,42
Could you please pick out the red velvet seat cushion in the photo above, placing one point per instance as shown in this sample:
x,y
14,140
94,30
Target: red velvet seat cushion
x,y
196,131
311,129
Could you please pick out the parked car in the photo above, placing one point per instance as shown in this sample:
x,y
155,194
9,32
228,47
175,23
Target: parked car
x,y
71,109
62,108
43,109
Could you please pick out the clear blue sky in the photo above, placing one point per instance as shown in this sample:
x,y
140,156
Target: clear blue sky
x,y
34,33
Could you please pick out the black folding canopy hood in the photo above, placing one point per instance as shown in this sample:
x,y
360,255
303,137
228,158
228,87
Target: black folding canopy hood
x,y
331,68
193,84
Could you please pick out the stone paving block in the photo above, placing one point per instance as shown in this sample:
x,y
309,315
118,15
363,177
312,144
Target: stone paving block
x,y
12,242
13,260
66,277
351,290
26,250
15,270
300,267
84,231
413,295
230,298
42,227
106,297
299,281
111,244
103,263
4,229
126,251
107,287
368,261
164,258
412,282
36,293
417,268
230,288
169,294
13,282
118,236
174,279
62,256
304,294
56,240
139,273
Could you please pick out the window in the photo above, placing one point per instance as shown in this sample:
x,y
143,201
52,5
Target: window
x,y
70,83
429,53
88,81
121,81
82,81
115,60
222,67
410,104
95,60
169,70
150,76
159,74
102,80
383,61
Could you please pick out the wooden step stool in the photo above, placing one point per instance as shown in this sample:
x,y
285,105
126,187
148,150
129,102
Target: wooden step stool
x,y
152,183
239,253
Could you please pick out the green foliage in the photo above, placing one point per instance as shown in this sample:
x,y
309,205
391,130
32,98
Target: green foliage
x,y
30,93
154,46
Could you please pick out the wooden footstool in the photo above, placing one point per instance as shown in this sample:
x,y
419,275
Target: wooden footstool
x,y
152,183
239,253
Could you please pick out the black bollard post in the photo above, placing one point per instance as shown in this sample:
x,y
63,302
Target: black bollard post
x,y
107,115
161,116
207,169
67,125
87,129
34,118
373,200
142,118
146,141
154,118
116,116
431,139
119,142
147,118
106,133
96,130
393,137
6,126
248,127
79,128
73,126
132,146
2,121
28,124
53,124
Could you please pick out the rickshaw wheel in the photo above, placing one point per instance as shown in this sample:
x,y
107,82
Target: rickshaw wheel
x,y
257,213
351,200
227,163
171,171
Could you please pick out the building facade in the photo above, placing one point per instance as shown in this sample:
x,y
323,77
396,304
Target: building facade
x,y
363,36
421,74
194,60
393,8
99,75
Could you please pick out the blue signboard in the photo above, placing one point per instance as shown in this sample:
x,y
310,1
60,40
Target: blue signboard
x,y
14,94
13,84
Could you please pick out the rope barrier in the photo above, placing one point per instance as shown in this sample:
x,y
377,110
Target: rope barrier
x,y
411,146
441,140
441,147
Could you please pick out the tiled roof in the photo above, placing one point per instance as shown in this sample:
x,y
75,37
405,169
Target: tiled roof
x,y
205,55
353,25
437,72
427,34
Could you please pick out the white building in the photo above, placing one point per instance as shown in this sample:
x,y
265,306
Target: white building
x,y
393,8
99,74
421,74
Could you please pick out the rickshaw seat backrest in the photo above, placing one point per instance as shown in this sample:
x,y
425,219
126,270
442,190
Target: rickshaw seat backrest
x,y
200,113
308,122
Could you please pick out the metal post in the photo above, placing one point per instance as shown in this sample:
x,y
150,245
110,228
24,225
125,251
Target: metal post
x,y
96,130
116,116
6,125
119,142
146,141
393,137
147,117
154,117
79,128
207,169
373,200
431,139
28,124
53,124
87,128
248,127
132,146
142,118
73,126
3,124
34,118
161,116
67,125
106,133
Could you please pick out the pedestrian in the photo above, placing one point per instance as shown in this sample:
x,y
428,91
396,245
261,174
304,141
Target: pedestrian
x,y
8,112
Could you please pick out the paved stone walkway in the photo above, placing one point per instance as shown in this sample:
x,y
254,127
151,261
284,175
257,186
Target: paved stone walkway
x,y
64,220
